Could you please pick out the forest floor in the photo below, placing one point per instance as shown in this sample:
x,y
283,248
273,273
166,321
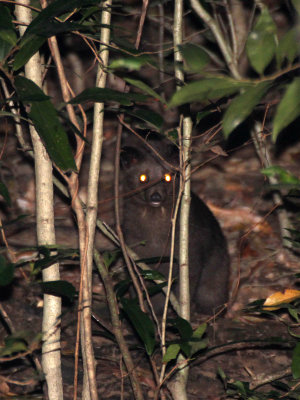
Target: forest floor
x,y
243,343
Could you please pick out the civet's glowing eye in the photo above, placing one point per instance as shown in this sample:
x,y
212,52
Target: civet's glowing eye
x,y
143,178
168,177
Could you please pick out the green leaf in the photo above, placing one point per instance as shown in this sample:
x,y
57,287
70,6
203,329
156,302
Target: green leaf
x,y
19,342
13,346
282,174
49,128
172,135
8,37
37,36
44,26
55,9
49,258
130,63
99,95
222,374
185,347
190,342
149,116
242,387
288,109
145,88
141,322
171,353
55,28
122,287
109,257
27,50
47,124
242,106
200,115
210,88
183,326
157,288
199,332
5,194
6,21
196,57
294,314
6,272
45,250
198,343
152,274
29,92
32,42
89,11
296,362
288,47
261,43
59,288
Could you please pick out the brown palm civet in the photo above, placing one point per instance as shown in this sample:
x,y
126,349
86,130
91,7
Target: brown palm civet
x,y
147,218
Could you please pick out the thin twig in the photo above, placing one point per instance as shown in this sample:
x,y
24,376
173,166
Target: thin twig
x,y
266,378
141,23
170,278
232,32
224,47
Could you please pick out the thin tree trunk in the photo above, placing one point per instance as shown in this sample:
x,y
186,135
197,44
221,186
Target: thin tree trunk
x,y
51,356
178,385
93,182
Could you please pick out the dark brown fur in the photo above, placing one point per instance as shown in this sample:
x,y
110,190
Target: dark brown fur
x,y
147,217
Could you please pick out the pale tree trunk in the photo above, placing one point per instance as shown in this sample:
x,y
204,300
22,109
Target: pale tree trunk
x,y
178,386
51,356
93,181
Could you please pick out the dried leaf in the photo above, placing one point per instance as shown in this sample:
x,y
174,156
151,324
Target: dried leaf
x,y
277,298
5,389
218,150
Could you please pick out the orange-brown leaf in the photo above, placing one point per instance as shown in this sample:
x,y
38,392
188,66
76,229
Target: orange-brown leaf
x,y
278,298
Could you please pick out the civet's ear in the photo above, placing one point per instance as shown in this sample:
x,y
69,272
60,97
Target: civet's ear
x,y
129,156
